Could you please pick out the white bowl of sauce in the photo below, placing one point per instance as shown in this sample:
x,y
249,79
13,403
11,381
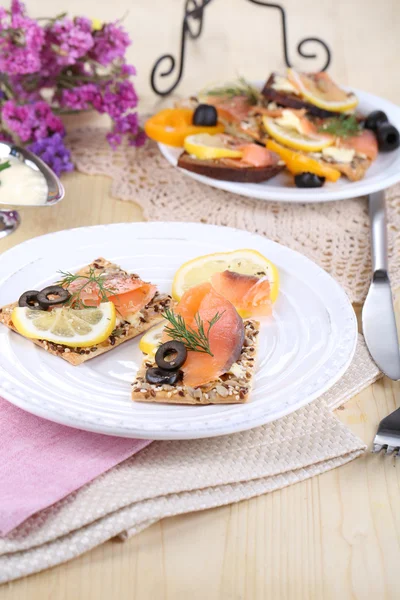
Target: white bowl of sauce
x,y
28,181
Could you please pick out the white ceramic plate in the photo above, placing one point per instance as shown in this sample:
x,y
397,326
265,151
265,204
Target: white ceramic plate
x,y
384,172
304,348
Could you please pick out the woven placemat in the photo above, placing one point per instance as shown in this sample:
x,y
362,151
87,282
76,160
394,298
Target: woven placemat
x,y
335,235
170,478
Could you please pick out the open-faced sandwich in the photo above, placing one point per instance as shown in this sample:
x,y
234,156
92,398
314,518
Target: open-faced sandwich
x,y
205,351
87,313
224,156
305,121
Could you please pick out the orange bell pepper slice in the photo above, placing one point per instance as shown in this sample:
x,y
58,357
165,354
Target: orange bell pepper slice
x,y
296,162
171,125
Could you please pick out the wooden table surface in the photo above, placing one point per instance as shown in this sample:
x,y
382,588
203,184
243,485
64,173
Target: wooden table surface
x,y
333,537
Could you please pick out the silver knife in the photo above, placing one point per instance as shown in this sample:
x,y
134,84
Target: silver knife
x,y
378,320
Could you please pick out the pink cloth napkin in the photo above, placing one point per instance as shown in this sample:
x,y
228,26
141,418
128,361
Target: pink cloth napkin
x,y
42,462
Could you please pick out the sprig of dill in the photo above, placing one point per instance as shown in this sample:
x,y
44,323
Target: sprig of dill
x,y
197,341
91,278
4,166
343,126
239,88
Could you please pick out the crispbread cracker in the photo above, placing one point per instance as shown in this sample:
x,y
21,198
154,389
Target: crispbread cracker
x,y
230,388
355,170
149,316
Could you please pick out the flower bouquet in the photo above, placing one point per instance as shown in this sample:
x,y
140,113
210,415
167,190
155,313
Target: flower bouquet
x,y
56,65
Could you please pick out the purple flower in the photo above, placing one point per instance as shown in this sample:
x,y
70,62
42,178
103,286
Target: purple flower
x,y
17,8
81,65
79,98
54,153
30,121
21,92
16,119
117,98
4,137
21,41
65,42
110,43
84,24
128,125
114,139
127,70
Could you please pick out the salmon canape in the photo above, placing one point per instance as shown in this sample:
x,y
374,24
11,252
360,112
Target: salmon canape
x,y
87,313
206,355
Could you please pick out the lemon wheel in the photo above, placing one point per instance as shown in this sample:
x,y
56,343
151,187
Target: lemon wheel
x,y
67,326
321,91
294,139
152,339
205,146
246,262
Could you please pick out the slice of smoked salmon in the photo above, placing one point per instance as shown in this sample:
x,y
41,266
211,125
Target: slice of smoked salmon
x,y
232,109
249,294
129,293
226,336
258,156
363,143
254,155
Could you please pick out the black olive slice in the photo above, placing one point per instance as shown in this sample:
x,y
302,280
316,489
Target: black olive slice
x,y
60,294
308,180
177,353
205,115
388,137
375,119
29,299
158,376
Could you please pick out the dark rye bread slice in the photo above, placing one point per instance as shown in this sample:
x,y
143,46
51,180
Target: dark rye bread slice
x,y
290,100
217,170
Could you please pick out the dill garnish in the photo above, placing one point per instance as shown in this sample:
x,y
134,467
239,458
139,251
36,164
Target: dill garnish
x,y
91,278
197,341
343,126
239,88
5,165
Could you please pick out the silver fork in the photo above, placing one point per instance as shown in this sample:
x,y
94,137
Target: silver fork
x,y
388,434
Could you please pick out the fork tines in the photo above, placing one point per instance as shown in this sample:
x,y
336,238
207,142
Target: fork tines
x,y
387,449
388,435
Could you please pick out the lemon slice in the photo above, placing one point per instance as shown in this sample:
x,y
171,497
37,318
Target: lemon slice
x,y
152,339
246,262
322,91
67,326
294,139
205,146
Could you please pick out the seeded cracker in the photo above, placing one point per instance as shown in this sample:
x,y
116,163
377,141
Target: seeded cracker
x,y
227,389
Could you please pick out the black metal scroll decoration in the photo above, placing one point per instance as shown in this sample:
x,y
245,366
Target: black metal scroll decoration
x,y
301,44
194,11
194,14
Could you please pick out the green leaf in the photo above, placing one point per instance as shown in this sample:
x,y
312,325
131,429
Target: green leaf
x,y
343,126
197,341
239,88
76,300
5,165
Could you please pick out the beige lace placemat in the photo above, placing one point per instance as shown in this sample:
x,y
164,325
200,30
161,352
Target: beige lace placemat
x,y
335,235
170,478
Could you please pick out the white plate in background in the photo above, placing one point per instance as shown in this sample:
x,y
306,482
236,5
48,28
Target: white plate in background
x,y
384,171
